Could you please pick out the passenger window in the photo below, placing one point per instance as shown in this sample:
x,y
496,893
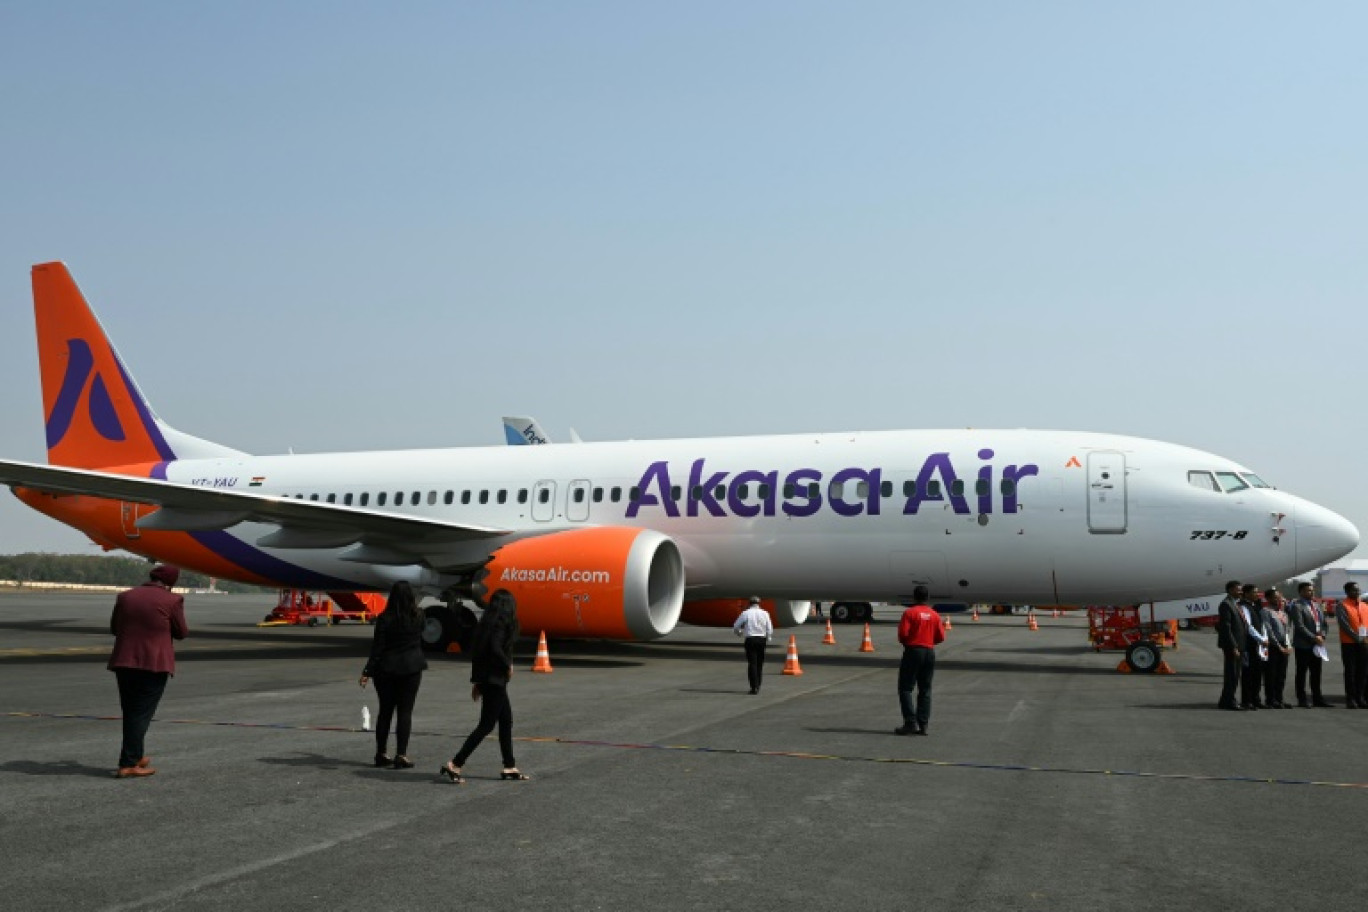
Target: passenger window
x,y
862,489
448,497
365,498
1204,480
788,491
742,491
380,498
598,495
484,497
465,497
522,495
398,498
696,492
579,495
1007,486
615,495
313,497
634,495
503,496
957,488
347,499
909,488
332,498
1230,482
814,490
885,489
764,492
416,498
933,489
432,498
981,487
720,492
544,495
674,493
837,490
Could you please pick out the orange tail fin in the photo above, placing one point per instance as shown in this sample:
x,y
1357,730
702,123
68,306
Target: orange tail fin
x,y
94,412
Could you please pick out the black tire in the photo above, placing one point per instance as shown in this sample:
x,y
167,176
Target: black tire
x,y
315,622
842,612
439,630
865,612
1143,657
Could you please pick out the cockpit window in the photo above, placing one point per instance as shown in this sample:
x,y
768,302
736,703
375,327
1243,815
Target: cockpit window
x,y
1255,480
1230,482
1204,480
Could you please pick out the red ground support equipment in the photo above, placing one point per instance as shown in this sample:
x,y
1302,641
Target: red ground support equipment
x,y
297,606
1126,629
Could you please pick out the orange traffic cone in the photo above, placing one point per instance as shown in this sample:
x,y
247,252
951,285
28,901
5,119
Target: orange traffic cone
x,y
1031,622
974,616
1123,666
791,666
543,661
1054,613
949,626
868,644
830,638
1164,668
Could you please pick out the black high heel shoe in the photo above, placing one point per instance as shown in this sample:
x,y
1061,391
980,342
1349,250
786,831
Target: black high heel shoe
x,y
515,774
382,761
453,774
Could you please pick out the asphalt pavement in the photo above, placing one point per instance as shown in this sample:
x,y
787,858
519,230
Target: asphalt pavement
x,y
1049,780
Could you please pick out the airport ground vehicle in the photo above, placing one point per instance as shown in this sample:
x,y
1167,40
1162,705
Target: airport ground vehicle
x,y
316,609
1133,629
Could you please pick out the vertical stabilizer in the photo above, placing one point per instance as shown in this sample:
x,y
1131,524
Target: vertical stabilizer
x,y
94,413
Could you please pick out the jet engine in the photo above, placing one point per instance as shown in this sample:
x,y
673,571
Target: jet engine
x,y
723,612
610,582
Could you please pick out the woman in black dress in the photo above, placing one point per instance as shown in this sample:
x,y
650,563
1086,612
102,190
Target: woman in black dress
x,y
396,664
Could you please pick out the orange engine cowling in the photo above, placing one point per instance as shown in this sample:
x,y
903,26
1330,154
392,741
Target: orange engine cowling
x,y
723,612
611,582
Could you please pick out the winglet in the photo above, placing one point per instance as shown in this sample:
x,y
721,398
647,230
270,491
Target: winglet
x,y
94,413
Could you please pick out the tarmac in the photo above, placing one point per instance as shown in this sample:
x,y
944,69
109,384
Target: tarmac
x,y
1049,781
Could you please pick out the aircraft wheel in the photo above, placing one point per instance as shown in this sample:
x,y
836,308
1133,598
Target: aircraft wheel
x,y
439,628
1143,657
841,612
865,612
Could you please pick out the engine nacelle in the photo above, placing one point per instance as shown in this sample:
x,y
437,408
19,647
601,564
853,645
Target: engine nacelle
x,y
609,581
724,612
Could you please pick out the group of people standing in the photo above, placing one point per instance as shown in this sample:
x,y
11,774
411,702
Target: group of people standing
x,y
149,617
1258,634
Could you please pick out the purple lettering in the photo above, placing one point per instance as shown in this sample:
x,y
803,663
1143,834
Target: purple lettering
x,y
1014,474
936,464
870,477
738,506
659,473
985,483
705,496
808,502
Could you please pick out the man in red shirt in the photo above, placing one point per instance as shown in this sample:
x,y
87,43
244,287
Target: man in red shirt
x,y
919,631
146,619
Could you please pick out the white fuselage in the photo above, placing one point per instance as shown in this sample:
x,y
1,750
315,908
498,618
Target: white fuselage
x,y
1045,517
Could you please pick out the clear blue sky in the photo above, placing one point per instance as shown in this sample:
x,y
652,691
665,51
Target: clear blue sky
x,y
346,226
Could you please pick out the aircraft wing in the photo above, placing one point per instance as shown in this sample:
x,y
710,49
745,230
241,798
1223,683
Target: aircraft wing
x,y
191,508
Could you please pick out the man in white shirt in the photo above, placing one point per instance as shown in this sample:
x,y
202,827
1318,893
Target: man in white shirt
x,y
755,625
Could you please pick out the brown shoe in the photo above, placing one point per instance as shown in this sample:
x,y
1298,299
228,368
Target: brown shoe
x,y
134,772
144,762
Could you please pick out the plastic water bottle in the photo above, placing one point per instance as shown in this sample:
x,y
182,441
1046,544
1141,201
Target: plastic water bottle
x,y
365,718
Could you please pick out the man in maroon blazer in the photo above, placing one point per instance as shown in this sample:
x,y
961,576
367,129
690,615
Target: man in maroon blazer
x,y
145,621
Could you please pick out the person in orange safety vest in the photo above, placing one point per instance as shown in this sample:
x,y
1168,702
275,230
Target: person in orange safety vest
x,y
1352,617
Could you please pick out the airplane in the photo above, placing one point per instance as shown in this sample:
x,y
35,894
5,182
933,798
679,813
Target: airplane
x,y
625,539
520,430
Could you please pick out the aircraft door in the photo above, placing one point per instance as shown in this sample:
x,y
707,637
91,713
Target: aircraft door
x,y
544,501
1106,492
129,514
577,501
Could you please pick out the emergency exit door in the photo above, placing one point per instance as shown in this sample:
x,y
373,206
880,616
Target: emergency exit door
x,y
1106,492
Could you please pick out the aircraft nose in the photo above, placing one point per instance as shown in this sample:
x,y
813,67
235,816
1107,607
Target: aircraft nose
x,y
1322,536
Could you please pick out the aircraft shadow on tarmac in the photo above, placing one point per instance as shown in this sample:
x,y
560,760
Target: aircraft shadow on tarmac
x,y
54,768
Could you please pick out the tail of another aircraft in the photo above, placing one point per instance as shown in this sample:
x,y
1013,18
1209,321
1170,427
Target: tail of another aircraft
x,y
95,415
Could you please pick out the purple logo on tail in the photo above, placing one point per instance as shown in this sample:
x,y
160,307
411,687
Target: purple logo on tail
x,y
103,417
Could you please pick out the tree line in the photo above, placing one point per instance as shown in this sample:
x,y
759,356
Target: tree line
x,y
98,570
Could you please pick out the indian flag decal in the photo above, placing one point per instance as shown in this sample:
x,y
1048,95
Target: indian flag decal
x,y
256,481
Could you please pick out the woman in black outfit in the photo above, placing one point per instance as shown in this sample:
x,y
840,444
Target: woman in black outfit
x,y
491,667
397,664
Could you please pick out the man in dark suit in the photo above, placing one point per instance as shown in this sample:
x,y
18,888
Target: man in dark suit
x,y
1231,634
145,621
1309,630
